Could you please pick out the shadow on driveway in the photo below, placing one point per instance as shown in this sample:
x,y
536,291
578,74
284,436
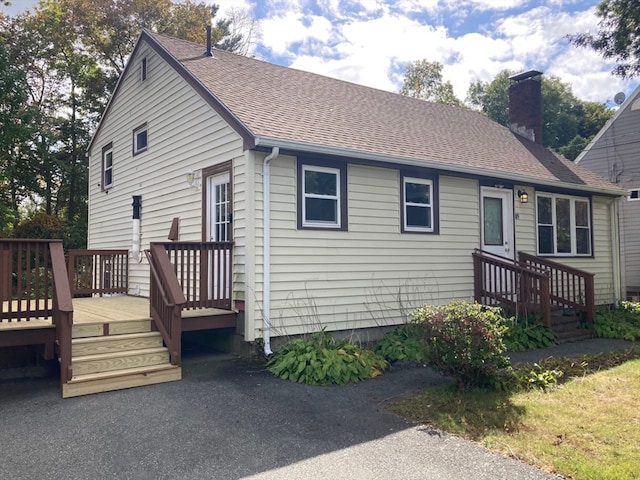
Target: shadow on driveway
x,y
229,419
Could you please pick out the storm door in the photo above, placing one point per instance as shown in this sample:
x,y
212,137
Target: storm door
x,y
219,223
497,236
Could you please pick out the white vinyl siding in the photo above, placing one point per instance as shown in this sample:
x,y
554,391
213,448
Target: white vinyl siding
x,y
187,134
371,275
601,264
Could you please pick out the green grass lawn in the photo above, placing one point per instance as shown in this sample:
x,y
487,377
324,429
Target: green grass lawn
x,y
587,428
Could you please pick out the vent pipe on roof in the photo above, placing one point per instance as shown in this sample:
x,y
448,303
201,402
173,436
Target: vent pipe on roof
x,y
525,105
208,52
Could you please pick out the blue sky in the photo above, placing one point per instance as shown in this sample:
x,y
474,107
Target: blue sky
x,y
371,41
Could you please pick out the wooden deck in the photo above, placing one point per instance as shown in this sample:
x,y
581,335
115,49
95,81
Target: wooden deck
x,y
118,308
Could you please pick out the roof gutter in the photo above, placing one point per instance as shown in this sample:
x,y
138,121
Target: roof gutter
x,y
270,142
266,255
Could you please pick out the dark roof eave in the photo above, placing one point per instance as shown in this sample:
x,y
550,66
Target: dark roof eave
x,y
269,142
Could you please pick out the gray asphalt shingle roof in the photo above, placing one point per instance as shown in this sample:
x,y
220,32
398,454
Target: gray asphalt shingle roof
x,y
305,108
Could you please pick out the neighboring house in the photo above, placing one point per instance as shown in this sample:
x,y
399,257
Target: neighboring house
x,y
348,206
614,153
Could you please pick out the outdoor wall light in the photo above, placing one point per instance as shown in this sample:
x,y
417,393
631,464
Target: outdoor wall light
x,y
523,196
193,179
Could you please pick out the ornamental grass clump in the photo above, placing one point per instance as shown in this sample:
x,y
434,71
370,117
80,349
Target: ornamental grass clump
x,y
463,340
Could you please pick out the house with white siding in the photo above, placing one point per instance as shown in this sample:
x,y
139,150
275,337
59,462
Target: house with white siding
x,y
614,153
347,206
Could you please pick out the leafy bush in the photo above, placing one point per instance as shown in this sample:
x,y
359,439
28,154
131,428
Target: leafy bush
x,y
463,340
621,322
401,343
41,226
526,335
322,360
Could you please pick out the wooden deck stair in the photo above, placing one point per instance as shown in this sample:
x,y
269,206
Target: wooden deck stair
x,y
114,355
569,326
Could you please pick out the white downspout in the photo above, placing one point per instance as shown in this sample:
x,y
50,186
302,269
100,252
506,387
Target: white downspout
x,y
615,249
266,255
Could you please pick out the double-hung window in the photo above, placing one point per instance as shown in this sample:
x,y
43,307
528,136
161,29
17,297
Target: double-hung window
x,y
107,166
418,205
140,139
322,194
564,225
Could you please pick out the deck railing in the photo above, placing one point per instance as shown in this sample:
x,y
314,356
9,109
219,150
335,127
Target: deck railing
x,y
501,281
34,285
204,272
98,272
570,287
166,300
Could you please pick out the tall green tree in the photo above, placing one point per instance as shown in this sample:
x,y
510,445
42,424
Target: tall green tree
x,y
618,37
66,57
423,79
17,127
568,123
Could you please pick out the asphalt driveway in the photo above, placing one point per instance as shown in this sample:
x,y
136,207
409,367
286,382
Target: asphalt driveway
x,y
228,419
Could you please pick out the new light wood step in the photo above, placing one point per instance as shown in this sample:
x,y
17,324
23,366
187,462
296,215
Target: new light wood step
x,y
97,329
120,379
115,343
107,362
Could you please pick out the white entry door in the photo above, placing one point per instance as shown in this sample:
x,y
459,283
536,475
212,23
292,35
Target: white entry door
x,y
497,232
218,230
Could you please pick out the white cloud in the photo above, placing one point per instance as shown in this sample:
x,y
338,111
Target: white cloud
x,y
370,41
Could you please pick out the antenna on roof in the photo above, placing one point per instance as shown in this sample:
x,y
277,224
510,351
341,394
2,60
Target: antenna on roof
x,y
619,98
208,52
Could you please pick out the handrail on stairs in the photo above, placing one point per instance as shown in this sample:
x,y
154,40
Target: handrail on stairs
x,y
166,300
569,287
531,284
505,282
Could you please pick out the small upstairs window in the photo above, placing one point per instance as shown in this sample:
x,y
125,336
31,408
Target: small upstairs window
x,y
140,140
634,194
107,166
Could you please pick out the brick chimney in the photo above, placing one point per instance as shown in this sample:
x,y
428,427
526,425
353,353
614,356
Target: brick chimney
x,y
525,105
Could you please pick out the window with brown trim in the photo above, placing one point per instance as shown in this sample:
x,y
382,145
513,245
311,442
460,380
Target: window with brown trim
x,y
419,210
107,166
322,195
217,203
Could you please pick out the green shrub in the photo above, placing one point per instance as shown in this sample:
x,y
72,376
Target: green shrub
x,y
463,340
322,360
527,335
401,343
621,322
